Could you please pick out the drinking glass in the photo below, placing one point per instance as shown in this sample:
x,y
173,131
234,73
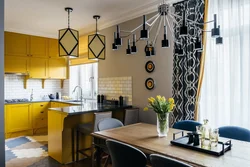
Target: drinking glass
x,y
214,137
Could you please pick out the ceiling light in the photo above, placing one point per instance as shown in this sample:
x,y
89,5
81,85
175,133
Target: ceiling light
x,y
68,39
114,46
128,50
96,44
133,48
215,32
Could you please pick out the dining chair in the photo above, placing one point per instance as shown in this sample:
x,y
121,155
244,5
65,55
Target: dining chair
x,y
124,155
188,125
162,161
235,132
109,123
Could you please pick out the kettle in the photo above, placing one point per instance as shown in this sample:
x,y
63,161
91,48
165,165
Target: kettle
x,y
51,96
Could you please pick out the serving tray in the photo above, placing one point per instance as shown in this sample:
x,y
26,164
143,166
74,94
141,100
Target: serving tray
x,y
219,150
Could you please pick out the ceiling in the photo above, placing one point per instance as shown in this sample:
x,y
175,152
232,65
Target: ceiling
x,y
46,17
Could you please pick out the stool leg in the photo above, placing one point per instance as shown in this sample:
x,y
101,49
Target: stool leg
x,y
77,145
73,143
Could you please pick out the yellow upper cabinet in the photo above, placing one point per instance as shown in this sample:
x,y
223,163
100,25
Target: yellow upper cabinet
x,y
58,68
38,47
18,117
53,48
16,64
16,44
38,68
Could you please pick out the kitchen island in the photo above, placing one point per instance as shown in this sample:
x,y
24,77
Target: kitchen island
x,y
63,121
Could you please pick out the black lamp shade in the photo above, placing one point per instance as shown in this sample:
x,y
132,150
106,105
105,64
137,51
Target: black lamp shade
x,y
165,43
144,34
114,47
133,49
118,41
152,51
219,40
215,32
183,31
128,51
148,53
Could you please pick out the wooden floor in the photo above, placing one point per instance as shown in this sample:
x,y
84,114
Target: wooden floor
x,y
83,163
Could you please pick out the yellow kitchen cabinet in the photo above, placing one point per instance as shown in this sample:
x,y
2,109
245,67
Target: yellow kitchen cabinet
x,y
16,44
18,117
53,48
57,68
38,47
54,104
38,68
16,64
40,114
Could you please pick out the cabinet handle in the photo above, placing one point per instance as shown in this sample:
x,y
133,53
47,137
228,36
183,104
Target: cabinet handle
x,y
42,112
41,105
42,118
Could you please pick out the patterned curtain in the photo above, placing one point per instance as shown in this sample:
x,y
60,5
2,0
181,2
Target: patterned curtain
x,y
186,67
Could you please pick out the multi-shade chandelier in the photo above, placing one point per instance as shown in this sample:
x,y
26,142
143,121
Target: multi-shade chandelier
x,y
163,17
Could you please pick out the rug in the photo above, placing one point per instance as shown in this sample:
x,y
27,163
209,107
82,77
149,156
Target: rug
x,y
28,151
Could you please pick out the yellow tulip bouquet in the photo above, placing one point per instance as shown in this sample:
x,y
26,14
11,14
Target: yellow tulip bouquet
x,y
162,107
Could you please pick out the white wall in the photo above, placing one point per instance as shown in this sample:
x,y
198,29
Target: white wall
x,y
2,139
14,87
118,64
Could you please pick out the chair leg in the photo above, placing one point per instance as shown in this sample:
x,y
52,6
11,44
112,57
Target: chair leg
x,y
107,161
77,146
73,144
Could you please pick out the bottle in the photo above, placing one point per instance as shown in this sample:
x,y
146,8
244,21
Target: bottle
x,y
98,98
121,100
57,95
102,98
205,130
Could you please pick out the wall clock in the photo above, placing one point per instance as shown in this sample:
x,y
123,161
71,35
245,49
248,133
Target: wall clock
x,y
150,66
150,83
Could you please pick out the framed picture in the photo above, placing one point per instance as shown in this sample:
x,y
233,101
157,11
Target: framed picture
x,y
150,66
150,83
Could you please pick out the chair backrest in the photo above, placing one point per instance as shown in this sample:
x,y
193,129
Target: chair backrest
x,y
99,117
124,155
109,123
162,161
235,132
131,116
188,125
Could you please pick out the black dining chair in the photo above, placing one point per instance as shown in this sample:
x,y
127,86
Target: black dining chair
x,y
124,155
235,132
162,161
105,124
109,123
188,125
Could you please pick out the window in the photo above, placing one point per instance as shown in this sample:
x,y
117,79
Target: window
x,y
85,76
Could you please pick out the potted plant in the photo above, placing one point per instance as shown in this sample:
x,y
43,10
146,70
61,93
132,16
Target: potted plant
x,y
162,108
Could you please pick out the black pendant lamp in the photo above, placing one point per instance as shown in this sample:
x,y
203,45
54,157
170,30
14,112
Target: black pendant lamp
x,y
133,48
165,42
184,28
96,44
219,40
118,40
114,46
215,32
128,51
147,50
68,39
144,32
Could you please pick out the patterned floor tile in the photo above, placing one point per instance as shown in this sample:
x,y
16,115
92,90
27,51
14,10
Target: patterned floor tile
x,y
16,142
9,155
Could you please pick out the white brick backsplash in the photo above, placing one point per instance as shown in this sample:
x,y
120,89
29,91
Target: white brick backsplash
x,y
14,87
114,87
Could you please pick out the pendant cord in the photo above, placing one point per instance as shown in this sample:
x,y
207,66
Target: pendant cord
x,y
96,25
68,18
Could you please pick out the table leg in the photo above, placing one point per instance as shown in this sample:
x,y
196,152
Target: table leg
x,y
98,156
73,144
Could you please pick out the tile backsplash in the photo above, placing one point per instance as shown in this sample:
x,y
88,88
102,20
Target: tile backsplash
x,y
14,87
113,87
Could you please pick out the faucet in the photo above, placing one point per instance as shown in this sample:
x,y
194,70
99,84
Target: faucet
x,y
79,87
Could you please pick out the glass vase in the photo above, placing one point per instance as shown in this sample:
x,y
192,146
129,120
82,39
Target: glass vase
x,y
162,124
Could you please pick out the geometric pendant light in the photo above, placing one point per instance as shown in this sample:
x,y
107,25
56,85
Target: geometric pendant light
x,y
68,39
96,44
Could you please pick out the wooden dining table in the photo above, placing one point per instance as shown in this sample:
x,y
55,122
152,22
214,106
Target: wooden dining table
x,y
144,137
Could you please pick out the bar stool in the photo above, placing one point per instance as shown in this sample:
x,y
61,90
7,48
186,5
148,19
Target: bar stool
x,y
131,116
87,129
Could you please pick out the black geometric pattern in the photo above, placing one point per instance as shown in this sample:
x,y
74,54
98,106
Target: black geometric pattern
x,y
186,67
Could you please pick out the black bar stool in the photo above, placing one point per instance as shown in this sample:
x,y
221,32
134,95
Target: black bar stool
x,y
87,129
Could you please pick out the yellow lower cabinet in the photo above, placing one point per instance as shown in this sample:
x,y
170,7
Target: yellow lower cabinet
x,y
54,104
16,64
38,68
18,117
40,114
57,68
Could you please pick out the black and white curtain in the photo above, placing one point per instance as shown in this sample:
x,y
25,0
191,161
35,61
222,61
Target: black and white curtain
x,y
186,67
